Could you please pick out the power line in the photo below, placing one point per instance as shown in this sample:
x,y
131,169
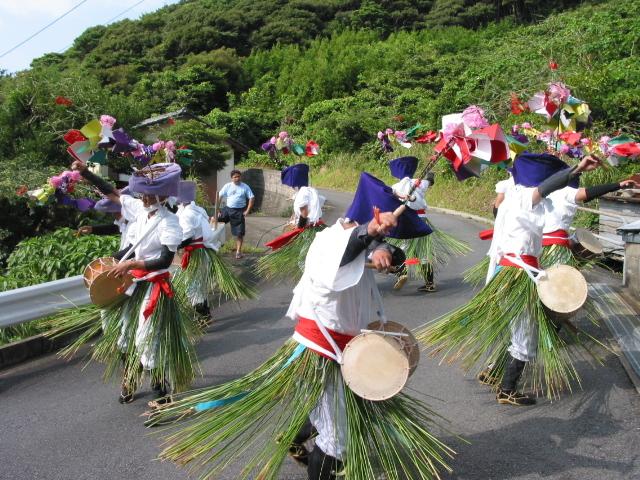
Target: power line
x,y
44,28
109,21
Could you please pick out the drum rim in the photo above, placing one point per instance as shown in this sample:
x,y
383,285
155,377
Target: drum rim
x,y
545,298
389,392
414,347
591,237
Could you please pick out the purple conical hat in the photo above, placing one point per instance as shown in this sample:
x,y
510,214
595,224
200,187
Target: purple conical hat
x,y
296,175
186,191
158,179
372,192
531,169
403,167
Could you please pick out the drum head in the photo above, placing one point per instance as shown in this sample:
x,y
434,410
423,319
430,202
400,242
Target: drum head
x,y
95,268
105,290
563,289
588,241
409,343
375,367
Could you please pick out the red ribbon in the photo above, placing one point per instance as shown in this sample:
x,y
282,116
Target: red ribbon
x,y
486,234
161,284
422,211
289,236
309,330
528,259
563,238
186,256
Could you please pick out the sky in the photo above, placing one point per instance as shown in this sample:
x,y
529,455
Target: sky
x,y
21,18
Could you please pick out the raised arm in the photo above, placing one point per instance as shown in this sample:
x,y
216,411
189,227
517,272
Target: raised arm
x,y
105,187
591,193
563,178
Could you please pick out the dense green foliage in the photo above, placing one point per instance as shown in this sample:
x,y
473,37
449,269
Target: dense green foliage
x,y
336,71
53,256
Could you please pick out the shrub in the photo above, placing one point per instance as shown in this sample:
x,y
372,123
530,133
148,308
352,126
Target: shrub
x,y
53,256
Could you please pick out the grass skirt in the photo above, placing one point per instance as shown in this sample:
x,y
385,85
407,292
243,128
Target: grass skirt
x,y
287,263
434,250
264,411
175,327
208,273
480,331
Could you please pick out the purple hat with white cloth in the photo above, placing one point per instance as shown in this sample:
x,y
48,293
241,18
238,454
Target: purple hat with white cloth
x,y
296,175
531,169
160,179
372,192
403,167
186,191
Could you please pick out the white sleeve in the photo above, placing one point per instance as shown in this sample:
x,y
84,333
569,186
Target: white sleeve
x,y
170,232
190,224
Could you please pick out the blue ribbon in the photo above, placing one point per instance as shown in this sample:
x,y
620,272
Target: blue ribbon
x,y
202,406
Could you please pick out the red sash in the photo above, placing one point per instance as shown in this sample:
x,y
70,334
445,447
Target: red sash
x,y
528,259
287,237
161,284
309,330
422,211
186,256
560,237
486,234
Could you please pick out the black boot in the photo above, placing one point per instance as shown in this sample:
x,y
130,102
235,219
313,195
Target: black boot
x,y
297,449
507,394
322,466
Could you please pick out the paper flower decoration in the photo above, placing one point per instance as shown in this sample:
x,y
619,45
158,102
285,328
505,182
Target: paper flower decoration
x,y
562,111
64,101
312,149
473,117
60,187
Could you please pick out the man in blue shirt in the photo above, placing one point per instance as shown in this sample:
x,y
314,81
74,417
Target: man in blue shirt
x,y
240,199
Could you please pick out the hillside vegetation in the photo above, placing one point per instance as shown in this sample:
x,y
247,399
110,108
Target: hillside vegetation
x,y
336,71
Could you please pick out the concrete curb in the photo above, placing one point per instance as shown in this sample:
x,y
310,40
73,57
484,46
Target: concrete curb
x,y
28,348
457,213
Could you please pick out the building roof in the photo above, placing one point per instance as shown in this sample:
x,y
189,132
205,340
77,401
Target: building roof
x,y
185,113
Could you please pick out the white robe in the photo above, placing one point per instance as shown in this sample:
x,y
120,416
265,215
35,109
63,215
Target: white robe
x,y
518,230
344,299
403,187
310,198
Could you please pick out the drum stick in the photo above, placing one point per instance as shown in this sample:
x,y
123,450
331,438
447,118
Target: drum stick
x,y
135,245
384,332
215,212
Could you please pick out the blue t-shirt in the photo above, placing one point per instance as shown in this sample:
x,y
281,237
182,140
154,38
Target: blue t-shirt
x,y
237,195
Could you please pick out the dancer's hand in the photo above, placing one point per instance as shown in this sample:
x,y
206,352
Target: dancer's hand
x,y
628,184
381,259
86,230
121,269
382,225
79,165
588,163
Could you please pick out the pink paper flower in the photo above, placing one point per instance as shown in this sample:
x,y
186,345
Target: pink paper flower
x,y
526,126
585,141
564,149
158,146
451,130
74,175
473,117
107,121
380,135
282,135
389,131
56,181
558,93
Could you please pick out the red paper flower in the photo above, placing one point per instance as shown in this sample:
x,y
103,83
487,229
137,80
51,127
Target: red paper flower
x,y
171,121
73,136
553,65
412,261
518,107
570,138
64,101
312,149
428,137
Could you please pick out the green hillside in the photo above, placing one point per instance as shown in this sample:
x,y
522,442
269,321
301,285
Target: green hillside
x,y
334,71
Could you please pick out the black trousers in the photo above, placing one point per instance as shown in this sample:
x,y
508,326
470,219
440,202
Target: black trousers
x,y
322,466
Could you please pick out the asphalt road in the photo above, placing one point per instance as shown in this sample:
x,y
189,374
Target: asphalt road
x,y
60,421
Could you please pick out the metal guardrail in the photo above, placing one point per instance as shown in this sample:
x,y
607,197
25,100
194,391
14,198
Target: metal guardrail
x,y
37,301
